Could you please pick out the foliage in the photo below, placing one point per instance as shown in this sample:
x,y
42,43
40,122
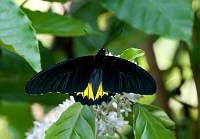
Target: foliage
x,y
147,125
15,34
22,53
76,122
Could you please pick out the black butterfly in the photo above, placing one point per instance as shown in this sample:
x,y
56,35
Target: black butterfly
x,y
92,79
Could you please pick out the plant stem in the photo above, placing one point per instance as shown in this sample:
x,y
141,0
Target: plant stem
x,y
162,97
195,64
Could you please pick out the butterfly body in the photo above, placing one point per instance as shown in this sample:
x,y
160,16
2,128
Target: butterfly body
x,y
92,79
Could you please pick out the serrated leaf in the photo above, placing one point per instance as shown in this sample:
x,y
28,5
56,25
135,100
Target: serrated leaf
x,y
17,35
131,53
51,23
161,116
77,122
168,18
147,126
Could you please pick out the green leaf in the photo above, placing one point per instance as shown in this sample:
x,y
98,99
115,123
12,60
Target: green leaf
x,y
146,125
161,116
17,73
51,23
77,122
17,34
131,53
168,18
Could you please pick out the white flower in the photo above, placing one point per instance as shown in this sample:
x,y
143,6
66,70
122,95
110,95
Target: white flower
x,y
115,121
132,97
62,107
38,131
110,54
108,116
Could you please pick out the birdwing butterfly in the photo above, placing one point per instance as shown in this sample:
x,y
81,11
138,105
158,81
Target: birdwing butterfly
x,y
92,79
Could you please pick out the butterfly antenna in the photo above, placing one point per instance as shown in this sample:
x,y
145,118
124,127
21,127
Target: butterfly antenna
x,y
92,39
112,38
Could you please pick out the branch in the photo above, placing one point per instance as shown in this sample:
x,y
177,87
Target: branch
x,y
162,96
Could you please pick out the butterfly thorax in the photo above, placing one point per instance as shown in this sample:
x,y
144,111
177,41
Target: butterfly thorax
x,y
99,58
94,90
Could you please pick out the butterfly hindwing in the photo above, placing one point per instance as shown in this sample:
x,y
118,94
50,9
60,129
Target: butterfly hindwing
x,y
123,76
66,77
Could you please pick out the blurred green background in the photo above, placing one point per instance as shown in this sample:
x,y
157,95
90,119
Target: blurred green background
x,y
173,60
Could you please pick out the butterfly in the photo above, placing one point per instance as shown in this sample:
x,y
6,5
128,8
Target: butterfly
x,y
92,79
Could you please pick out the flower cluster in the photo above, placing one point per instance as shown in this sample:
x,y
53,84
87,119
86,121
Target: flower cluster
x,y
38,131
108,116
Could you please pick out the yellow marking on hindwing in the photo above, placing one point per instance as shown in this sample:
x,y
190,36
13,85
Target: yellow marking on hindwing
x,y
88,92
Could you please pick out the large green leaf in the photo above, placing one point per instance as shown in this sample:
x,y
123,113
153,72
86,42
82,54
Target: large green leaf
x,y
77,122
169,18
51,23
147,126
17,34
17,73
161,116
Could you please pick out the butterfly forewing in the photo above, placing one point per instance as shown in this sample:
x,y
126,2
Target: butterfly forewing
x,y
65,77
123,76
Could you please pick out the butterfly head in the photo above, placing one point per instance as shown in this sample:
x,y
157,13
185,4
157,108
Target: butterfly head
x,y
100,54
102,51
